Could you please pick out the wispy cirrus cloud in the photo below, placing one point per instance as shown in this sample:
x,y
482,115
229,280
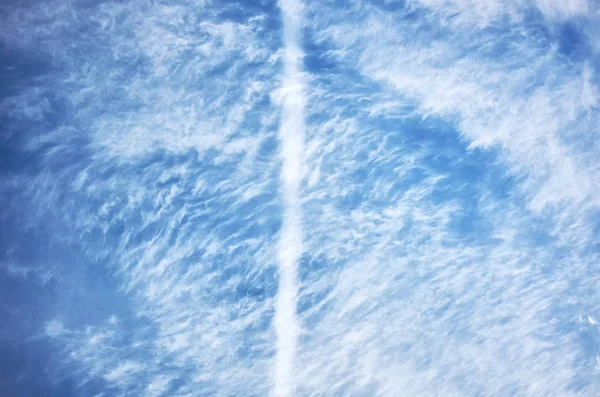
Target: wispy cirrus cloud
x,y
527,99
448,196
452,202
163,119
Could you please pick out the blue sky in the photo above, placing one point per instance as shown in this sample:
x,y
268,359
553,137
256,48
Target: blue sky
x,y
303,198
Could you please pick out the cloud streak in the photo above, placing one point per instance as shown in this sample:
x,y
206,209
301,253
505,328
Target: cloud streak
x,y
291,138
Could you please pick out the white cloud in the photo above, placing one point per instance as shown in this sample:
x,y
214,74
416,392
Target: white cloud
x,y
290,248
563,9
495,101
395,295
123,371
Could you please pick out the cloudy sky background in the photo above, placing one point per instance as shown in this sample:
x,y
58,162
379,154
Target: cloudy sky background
x,y
444,197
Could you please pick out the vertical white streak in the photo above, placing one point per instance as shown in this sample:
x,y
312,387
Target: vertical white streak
x,y
291,137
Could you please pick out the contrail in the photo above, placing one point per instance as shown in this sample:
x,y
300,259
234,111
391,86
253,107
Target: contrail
x,y
291,137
